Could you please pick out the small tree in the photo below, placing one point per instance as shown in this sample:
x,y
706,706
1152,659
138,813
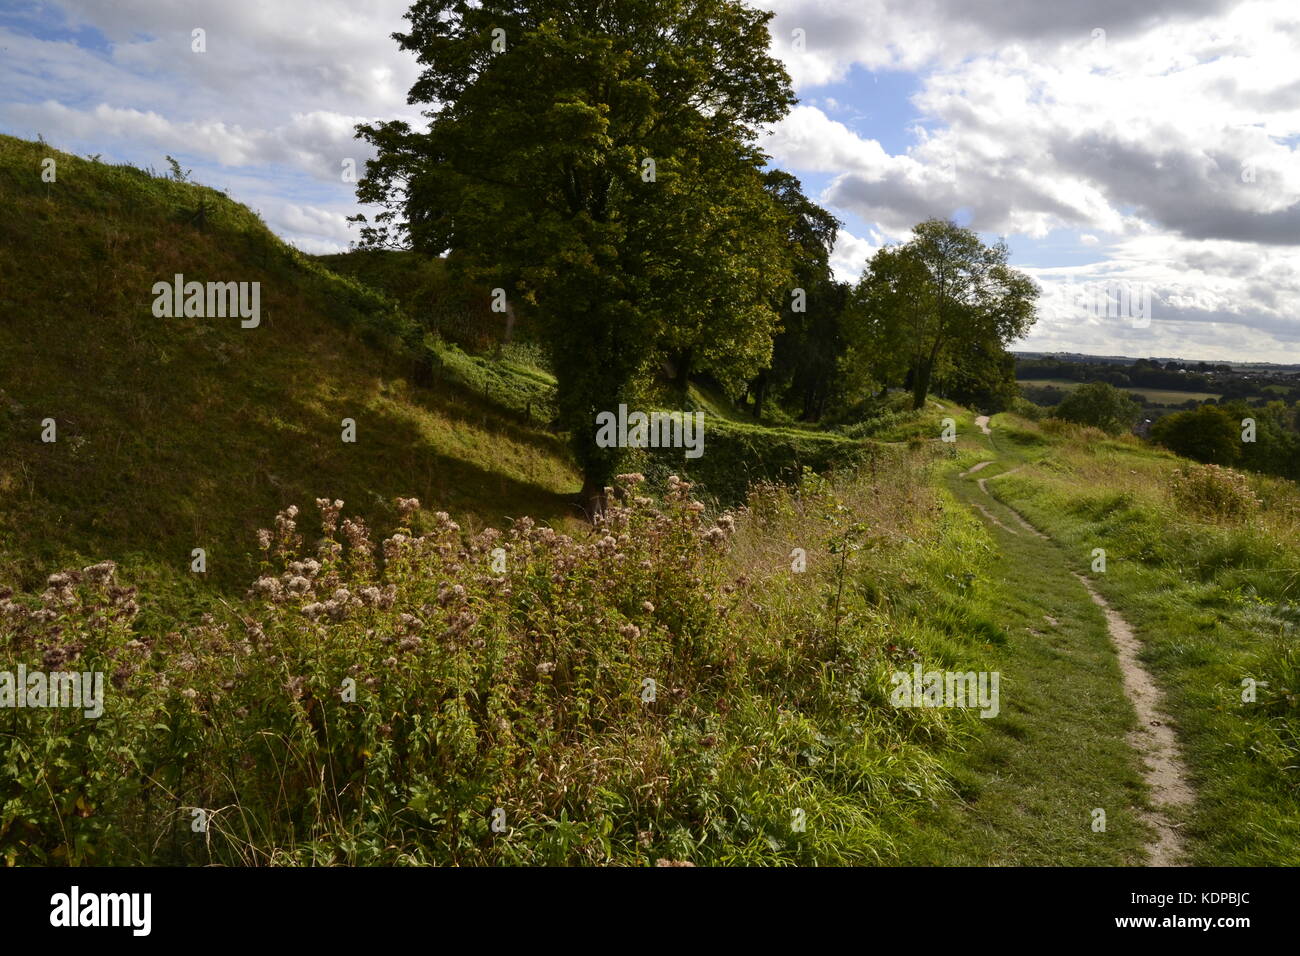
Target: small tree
x,y
1100,405
1207,434
178,174
918,302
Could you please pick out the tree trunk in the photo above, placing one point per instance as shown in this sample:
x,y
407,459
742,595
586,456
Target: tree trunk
x,y
592,498
682,379
759,391
921,384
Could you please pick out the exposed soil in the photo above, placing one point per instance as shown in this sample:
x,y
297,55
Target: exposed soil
x,y
1163,767
1165,771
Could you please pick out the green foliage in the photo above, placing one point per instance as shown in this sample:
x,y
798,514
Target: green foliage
x,y
920,305
738,455
178,174
982,376
375,702
1207,434
1275,448
804,372
1210,491
1027,409
453,311
885,318
70,779
1099,405
533,174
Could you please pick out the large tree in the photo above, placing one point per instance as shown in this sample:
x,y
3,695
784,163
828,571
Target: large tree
x,y
945,287
806,352
885,318
595,158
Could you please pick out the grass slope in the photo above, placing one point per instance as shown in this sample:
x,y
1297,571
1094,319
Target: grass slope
x,y
773,738
1214,602
181,433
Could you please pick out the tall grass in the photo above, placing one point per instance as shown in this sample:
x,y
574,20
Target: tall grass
x,y
664,688
1207,563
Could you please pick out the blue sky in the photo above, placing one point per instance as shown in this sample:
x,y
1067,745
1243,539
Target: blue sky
x,y
1153,145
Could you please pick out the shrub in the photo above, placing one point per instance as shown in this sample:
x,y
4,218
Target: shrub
x,y
1212,492
1207,434
1100,405
1027,409
740,455
378,702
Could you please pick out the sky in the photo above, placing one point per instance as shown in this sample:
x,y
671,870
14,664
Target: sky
x,y
1143,151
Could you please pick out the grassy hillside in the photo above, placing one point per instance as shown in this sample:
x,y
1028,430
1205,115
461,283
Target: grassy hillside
x,y
1204,563
181,433
704,676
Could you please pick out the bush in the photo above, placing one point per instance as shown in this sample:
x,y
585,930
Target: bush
x,y
1100,405
739,455
1027,409
618,698
1207,434
1212,492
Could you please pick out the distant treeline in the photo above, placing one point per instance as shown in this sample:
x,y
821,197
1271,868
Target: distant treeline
x,y
1261,436
1220,379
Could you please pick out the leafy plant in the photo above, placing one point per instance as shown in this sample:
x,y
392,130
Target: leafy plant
x,y
1212,491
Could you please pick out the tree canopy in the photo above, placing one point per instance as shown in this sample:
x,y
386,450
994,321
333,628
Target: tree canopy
x,y
596,159
921,303
1100,405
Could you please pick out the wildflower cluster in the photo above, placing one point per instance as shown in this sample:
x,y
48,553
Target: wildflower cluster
x,y
377,700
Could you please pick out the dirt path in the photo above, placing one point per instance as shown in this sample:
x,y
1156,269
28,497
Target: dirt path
x,y
983,422
1163,769
1165,772
1020,520
987,514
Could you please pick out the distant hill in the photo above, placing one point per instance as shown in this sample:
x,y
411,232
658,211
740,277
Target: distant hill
x,y
1164,359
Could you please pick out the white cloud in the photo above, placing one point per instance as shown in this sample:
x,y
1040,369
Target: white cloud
x,y
1167,145
852,252
808,139
1173,134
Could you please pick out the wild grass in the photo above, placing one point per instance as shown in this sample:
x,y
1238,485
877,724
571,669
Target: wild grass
x,y
1213,592
376,702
